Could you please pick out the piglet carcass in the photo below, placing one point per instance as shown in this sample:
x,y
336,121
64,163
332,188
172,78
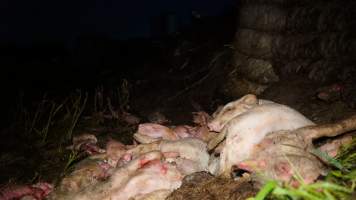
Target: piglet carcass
x,y
87,172
118,180
192,155
116,152
36,191
233,109
189,154
251,123
332,146
86,143
289,155
152,172
200,132
155,176
149,132
140,177
227,113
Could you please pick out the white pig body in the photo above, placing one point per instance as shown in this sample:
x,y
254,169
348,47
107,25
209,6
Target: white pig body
x,y
249,128
192,154
156,176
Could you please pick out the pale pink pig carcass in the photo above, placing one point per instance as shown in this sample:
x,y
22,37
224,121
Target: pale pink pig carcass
x,y
155,175
226,113
249,128
288,156
36,191
150,132
107,189
192,155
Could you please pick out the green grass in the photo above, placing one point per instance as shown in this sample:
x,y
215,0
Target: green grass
x,y
52,121
72,158
45,129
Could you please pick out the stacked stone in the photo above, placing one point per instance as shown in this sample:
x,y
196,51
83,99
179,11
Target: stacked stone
x,y
279,38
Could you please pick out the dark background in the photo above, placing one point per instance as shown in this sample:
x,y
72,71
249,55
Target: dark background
x,y
53,47
28,22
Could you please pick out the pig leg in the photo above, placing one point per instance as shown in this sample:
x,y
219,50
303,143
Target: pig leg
x,y
310,133
215,141
332,147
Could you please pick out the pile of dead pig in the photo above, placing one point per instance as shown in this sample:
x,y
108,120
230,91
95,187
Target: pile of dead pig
x,y
226,156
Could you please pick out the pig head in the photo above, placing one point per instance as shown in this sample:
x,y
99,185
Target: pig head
x,y
155,175
150,132
222,116
192,155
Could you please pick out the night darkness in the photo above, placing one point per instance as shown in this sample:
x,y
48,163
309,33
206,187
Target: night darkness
x,y
58,46
113,99
30,22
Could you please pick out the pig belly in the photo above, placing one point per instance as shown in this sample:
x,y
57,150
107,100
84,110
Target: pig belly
x,y
247,130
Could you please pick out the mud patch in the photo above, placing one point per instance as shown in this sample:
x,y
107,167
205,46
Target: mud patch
x,y
202,185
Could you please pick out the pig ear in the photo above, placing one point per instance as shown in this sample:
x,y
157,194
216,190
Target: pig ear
x,y
249,99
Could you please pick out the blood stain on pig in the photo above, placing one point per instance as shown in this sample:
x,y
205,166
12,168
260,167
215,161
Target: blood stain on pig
x,y
284,170
143,162
245,166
